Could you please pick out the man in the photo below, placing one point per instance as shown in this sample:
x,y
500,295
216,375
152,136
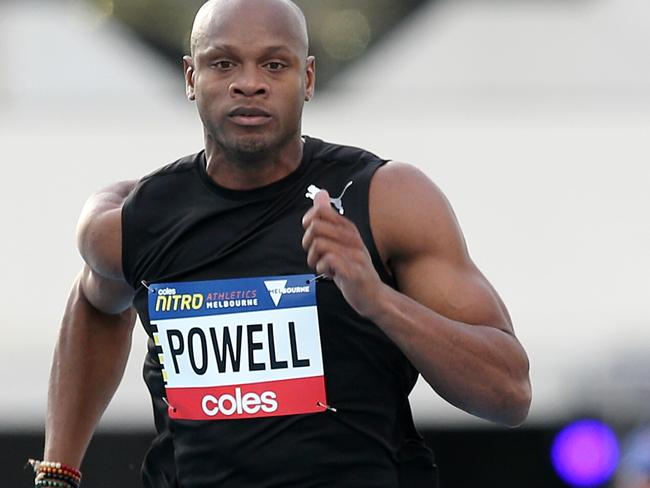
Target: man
x,y
287,327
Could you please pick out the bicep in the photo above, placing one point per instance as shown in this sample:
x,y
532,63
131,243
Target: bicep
x,y
99,238
99,230
424,248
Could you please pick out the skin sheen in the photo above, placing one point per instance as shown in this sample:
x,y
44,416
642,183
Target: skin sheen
x,y
250,76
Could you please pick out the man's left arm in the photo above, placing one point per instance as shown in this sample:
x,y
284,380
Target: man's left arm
x,y
445,316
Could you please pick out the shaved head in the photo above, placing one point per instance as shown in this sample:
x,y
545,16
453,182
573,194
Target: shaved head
x,y
216,13
250,74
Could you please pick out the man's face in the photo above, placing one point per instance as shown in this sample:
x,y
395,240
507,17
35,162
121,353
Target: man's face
x,y
250,77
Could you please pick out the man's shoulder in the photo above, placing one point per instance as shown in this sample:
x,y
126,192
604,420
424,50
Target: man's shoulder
x,y
330,152
180,166
400,185
410,212
167,178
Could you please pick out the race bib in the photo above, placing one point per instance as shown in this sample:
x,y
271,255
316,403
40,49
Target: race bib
x,y
242,348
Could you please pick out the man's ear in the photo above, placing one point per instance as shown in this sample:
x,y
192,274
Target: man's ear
x,y
310,78
188,71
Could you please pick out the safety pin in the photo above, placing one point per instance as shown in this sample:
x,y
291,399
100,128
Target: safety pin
x,y
326,407
168,405
317,278
151,290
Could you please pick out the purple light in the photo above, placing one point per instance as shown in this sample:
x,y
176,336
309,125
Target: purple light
x,y
585,453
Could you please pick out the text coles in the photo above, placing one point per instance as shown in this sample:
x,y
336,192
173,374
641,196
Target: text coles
x,y
238,403
166,291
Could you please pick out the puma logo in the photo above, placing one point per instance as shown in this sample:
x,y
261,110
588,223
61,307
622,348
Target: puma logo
x,y
337,202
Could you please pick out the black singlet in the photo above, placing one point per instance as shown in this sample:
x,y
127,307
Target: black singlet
x,y
179,226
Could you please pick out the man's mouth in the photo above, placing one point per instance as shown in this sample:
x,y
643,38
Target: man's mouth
x,y
249,116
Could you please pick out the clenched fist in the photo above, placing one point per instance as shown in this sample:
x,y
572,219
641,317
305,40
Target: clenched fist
x,y
335,249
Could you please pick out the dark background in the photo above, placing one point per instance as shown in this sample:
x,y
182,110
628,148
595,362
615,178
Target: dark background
x,y
467,458
163,25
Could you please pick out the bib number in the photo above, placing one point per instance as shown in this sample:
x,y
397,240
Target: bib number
x,y
244,348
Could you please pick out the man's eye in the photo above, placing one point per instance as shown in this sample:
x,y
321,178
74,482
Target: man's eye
x,y
275,66
223,65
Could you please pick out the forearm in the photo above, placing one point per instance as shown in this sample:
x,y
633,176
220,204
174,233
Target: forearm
x,y
480,369
89,362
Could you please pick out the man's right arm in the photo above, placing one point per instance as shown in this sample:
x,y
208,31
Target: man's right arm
x,y
95,335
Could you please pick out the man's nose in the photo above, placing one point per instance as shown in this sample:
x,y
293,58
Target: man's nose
x,y
249,83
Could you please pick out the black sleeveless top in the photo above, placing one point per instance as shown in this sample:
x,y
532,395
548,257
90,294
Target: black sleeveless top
x,y
180,227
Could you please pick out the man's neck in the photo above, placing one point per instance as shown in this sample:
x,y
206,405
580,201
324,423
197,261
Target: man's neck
x,y
248,175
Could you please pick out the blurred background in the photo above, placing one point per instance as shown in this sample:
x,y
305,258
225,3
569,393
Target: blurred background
x,y
533,116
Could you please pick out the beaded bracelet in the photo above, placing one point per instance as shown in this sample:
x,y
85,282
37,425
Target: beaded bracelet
x,y
53,484
72,482
57,475
59,478
60,472
50,466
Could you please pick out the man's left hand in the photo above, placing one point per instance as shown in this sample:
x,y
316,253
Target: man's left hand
x,y
336,250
